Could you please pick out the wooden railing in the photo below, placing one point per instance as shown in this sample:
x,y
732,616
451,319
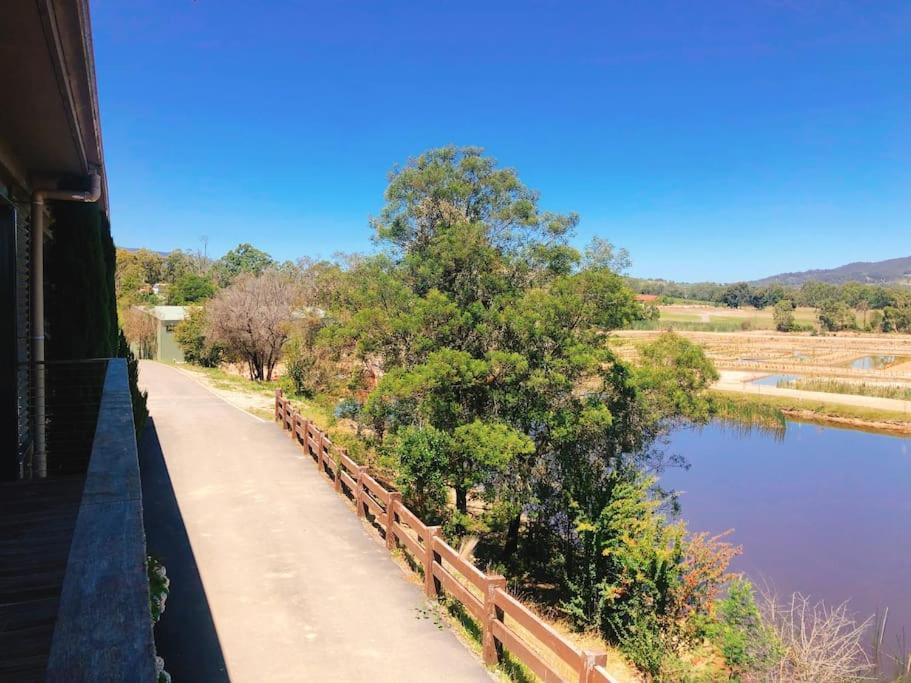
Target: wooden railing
x,y
505,622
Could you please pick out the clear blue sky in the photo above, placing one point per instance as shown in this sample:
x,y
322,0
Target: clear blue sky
x,y
714,140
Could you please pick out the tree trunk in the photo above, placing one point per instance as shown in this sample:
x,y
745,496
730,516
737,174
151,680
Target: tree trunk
x,y
461,499
512,537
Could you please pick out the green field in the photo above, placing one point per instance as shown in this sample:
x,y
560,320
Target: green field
x,y
719,319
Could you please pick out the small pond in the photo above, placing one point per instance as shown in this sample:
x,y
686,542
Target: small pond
x,y
775,380
876,362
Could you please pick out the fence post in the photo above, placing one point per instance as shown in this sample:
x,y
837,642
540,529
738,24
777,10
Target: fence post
x,y
305,428
278,398
359,492
492,613
291,422
320,442
317,439
294,425
431,586
337,484
589,661
395,499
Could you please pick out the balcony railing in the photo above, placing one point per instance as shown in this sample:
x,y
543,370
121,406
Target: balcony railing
x,y
64,396
74,601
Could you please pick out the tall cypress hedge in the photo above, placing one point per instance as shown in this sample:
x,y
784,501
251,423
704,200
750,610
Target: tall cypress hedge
x,y
80,303
80,298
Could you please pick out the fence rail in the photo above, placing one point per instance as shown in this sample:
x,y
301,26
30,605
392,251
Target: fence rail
x,y
505,622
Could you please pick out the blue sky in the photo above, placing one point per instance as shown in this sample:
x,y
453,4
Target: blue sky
x,y
714,140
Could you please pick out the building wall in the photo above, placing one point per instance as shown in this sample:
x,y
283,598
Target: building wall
x,y
168,349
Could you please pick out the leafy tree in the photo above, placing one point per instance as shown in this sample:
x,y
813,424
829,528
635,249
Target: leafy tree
x,y
190,288
735,296
190,334
476,307
816,294
130,282
896,319
673,377
783,315
499,385
179,263
244,258
151,264
448,392
835,315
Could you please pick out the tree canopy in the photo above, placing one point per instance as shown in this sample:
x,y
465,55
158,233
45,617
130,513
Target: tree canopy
x,y
244,258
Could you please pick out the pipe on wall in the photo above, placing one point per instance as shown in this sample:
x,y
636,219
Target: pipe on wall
x,y
39,197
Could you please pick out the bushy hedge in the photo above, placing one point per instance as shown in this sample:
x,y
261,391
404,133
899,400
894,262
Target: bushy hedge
x,y
80,299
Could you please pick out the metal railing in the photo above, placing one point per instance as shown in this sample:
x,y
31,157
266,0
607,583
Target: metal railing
x,y
60,398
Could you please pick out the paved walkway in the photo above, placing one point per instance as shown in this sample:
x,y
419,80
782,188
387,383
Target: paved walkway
x,y
294,586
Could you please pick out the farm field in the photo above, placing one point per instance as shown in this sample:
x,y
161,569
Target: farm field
x,y
762,366
706,318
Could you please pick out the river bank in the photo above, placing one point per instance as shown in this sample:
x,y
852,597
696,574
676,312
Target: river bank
x,y
751,363
870,413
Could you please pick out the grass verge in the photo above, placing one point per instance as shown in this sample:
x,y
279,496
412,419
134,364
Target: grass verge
x,y
834,386
812,410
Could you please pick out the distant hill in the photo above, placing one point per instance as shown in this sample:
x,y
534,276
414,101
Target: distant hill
x,y
134,249
891,271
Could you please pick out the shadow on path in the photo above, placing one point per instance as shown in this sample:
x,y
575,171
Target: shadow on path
x,y
185,636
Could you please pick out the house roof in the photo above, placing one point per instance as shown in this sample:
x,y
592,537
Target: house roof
x,y
167,313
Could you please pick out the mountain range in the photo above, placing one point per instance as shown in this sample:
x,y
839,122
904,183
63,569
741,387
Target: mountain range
x,y
890,271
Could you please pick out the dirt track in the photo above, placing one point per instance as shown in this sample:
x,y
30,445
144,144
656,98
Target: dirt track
x,y
742,382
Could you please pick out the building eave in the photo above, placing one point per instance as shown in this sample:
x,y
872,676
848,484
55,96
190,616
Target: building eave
x,y
50,122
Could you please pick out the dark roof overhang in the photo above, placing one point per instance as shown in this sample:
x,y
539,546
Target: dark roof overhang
x,y
49,121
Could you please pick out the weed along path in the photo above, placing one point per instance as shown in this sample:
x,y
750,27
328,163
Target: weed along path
x,y
295,587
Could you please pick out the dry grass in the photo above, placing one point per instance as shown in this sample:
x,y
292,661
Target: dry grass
x,y
816,357
820,644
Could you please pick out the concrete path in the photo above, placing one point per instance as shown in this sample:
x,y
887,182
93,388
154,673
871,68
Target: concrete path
x,y
296,588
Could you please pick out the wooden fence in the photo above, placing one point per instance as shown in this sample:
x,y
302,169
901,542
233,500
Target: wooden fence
x,y
504,621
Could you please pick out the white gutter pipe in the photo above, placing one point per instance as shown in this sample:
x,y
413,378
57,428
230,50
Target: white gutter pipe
x,y
39,461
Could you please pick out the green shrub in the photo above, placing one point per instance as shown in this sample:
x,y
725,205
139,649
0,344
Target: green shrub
x,y
348,408
190,334
297,367
783,314
747,644
308,367
423,456
159,587
138,398
190,288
